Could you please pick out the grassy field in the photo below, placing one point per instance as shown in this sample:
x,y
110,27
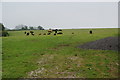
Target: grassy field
x,y
58,56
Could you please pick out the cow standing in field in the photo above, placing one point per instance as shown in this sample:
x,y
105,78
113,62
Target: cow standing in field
x,y
32,33
72,32
40,34
60,30
48,33
90,31
27,34
60,33
55,31
44,34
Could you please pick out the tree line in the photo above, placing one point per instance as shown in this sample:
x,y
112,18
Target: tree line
x,y
3,32
3,29
24,27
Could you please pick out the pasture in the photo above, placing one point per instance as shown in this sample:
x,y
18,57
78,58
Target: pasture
x,y
49,56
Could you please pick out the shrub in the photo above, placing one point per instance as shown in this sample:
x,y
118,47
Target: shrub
x,y
5,33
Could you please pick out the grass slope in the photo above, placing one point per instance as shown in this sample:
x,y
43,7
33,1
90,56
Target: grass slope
x,y
57,56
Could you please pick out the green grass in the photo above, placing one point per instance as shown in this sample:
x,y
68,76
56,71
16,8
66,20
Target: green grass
x,y
0,57
55,56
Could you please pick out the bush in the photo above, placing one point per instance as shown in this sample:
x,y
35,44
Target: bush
x,y
5,33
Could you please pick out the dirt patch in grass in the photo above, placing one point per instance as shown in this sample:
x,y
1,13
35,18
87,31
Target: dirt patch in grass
x,y
57,66
109,43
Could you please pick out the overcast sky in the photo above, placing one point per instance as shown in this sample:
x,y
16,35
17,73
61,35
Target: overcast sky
x,y
60,14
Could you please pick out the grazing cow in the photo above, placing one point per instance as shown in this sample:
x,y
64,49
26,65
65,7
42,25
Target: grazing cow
x,y
60,33
27,34
72,32
54,33
60,30
55,30
90,31
40,34
44,34
32,34
48,33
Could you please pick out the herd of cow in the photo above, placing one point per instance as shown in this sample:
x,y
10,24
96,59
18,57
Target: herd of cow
x,y
55,32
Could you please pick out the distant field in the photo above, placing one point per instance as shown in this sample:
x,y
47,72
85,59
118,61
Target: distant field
x,y
49,56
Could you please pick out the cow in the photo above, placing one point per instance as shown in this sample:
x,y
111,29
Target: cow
x,y
27,34
90,31
32,34
54,33
60,33
44,34
72,32
55,30
48,33
40,34
59,29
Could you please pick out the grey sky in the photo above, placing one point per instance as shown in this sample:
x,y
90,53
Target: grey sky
x,y
60,14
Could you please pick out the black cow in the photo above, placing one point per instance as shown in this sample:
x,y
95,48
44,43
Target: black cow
x,y
60,33
54,33
40,34
55,30
59,29
44,34
90,31
48,33
32,34
72,32
27,34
